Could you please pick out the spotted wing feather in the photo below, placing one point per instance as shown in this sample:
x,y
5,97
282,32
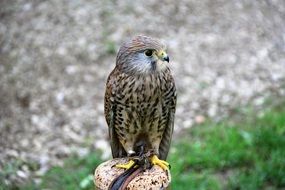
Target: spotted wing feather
x,y
110,111
170,104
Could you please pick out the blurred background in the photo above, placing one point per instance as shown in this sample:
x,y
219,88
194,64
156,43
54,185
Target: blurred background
x,y
228,59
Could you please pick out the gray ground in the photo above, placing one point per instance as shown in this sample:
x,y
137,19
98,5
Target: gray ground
x,y
55,57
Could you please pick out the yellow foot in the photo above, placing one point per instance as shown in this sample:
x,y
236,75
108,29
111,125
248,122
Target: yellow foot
x,y
126,165
163,164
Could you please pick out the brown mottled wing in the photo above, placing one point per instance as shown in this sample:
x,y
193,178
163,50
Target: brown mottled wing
x,y
170,105
110,111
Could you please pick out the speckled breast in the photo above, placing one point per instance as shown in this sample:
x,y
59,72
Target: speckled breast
x,y
140,107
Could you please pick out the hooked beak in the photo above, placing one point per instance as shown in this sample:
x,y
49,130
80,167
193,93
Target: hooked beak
x,y
166,58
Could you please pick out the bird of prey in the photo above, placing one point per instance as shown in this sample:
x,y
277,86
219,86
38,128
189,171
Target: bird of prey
x,y
140,101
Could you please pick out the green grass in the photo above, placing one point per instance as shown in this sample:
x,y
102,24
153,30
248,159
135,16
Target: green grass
x,y
76,174
243,155
247,154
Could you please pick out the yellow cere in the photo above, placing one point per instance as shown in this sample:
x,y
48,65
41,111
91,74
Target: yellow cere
x,y
161,54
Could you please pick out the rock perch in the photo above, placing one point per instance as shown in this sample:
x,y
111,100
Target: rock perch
x,y
154,178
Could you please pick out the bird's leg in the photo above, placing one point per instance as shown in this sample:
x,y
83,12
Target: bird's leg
x,y
130,163
133,168
127,165
135,158
154,160
161,163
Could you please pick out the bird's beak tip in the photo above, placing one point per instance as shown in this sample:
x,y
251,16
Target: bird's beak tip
x,y
166,58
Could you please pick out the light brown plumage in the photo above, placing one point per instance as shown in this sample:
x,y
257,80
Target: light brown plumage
x,y
140,99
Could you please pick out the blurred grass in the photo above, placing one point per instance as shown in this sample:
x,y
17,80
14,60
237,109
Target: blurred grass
x,y
247,154
232,155
75,174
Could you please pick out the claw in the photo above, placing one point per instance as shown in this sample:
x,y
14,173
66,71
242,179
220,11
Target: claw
x,y
156,161
127,165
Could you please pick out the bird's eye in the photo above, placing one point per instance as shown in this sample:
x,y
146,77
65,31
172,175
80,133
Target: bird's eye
x,y
148,52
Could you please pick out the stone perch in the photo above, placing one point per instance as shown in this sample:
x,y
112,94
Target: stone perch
x,y
154,178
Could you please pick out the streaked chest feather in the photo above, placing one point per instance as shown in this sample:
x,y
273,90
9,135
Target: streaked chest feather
x,y
141,102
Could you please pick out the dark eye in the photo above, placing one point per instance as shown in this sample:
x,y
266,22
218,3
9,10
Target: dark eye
x,y
148,52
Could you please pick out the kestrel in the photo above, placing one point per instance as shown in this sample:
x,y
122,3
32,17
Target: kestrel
x,y
140,101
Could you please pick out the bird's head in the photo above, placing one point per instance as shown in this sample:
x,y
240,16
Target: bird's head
x,y
142,55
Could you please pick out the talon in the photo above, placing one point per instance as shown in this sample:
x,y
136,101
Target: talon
x,y
127,165
156,161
